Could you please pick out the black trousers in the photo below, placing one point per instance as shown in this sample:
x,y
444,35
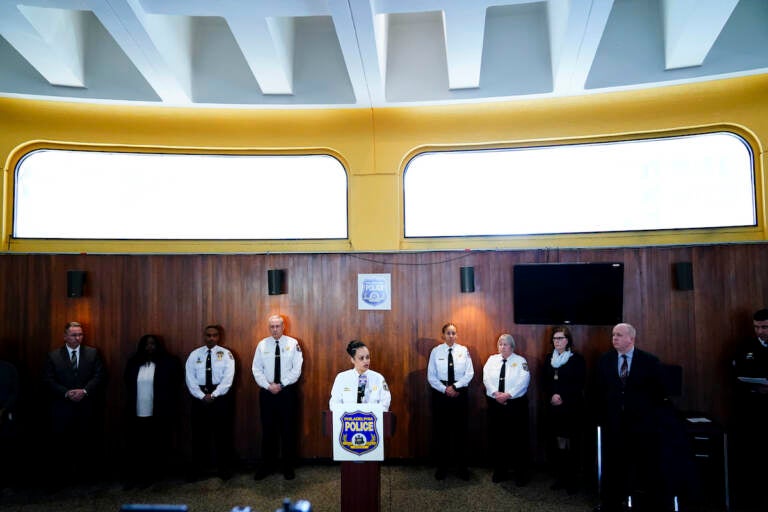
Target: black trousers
x,y
279,418
212,436
449,429
509,438
148,448
631,467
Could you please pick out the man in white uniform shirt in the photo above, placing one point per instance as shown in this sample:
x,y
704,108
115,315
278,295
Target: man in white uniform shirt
x,y
276,368
506,378
210,370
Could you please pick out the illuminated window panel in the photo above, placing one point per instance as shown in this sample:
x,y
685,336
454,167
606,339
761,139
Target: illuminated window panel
x,y
697,181
100,195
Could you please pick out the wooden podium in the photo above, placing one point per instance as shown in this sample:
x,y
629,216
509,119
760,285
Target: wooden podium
x,y
360,481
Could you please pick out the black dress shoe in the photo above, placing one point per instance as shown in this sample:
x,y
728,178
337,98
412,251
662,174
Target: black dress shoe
x,y
261,474
289,474
557,485
522,480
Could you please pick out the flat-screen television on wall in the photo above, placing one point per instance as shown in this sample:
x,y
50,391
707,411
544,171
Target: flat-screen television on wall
x,y
568,293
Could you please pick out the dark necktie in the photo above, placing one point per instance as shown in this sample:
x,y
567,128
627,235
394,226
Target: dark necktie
x,y
451,375
208,374
362,382
73,359
277,362
624,372
501,375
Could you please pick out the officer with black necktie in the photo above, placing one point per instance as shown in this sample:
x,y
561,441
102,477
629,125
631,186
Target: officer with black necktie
x,y
449,373
506,378
276,369
210,370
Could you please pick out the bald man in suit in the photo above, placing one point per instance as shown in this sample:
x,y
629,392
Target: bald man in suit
x,y
630,398
74,376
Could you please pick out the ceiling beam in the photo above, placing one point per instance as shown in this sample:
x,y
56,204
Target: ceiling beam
x,y
575,30
691,27
51,40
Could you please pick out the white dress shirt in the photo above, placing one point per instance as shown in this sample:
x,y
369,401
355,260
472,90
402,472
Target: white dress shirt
x,y
145,390
291,359
344,389
222,370
437,369
516,376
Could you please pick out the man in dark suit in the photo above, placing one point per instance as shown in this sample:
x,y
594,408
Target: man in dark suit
x,y
630,398
74,375
750,416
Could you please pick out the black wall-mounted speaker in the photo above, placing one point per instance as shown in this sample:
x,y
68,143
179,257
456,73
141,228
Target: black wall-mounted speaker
x,y
75,283
276,281
467,275
683,275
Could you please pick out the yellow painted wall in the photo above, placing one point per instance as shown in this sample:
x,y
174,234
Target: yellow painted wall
x,y
375,145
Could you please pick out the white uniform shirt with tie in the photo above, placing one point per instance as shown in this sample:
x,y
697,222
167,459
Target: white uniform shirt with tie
x,y
437,368
291,360
516,376
222,369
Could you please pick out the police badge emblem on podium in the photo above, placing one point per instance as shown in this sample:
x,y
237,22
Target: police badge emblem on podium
x,y
356,432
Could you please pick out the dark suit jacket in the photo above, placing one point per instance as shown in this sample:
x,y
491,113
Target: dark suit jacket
x,y
60,377
565,419
636,406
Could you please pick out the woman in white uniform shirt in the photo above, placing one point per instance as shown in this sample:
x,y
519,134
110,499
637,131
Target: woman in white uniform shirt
x,y
506,378
360,384
449,373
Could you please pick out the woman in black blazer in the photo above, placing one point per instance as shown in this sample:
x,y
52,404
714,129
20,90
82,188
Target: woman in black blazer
x,y
563,381
153,381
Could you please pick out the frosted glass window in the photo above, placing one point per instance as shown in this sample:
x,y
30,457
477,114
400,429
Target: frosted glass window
x,y
697,181
99,195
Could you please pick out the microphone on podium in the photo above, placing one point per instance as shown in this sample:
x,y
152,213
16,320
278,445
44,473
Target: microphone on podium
x,y
362,382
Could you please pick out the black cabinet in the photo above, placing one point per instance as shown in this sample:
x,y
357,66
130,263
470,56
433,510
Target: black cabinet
x,y
709,448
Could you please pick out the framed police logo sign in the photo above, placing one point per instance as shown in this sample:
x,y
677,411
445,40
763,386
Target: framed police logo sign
x,y
374,291
356,432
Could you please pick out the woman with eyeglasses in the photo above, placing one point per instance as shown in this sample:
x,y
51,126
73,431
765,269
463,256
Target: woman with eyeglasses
x,y
563,379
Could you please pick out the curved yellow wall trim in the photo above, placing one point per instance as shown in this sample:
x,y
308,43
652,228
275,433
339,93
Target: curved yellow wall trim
x,y
375,146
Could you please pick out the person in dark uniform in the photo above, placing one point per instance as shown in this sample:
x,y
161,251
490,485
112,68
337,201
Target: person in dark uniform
x,y
563,378
630,398
210,370
9,398
750,418
506,377
153,380
276,369
449,373
75,376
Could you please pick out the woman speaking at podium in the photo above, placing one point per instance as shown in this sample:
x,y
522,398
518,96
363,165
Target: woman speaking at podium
x,y
360,384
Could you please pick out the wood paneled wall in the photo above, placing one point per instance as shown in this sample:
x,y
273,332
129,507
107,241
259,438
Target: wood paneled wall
x,y
176,295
